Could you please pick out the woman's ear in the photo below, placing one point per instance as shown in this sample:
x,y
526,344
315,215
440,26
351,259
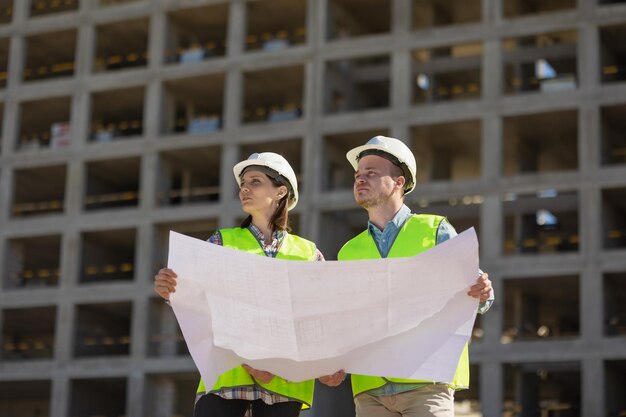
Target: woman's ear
x,y
282,191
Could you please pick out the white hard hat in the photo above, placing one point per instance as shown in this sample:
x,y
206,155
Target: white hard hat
x,y
275,163
394,148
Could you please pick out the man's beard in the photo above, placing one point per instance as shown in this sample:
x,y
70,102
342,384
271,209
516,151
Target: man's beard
x,y
372,201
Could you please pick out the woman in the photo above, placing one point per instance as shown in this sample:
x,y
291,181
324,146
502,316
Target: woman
x,y
268,189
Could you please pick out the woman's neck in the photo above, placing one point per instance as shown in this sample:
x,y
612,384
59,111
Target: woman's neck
x,y
262,223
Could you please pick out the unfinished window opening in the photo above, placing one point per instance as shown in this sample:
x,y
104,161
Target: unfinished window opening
x,y
549,388
516,8
105,397
357,84
613,53
112,184
345,225
196,34
108,256
45,124
615,304
102,330
544,62
541,308
435,13
6,11
614,218
273,95
200,229
541,223
4,59
48,7
28,333
615,373
462,212
467,401
164,336
352,18
38,191
448,73
189,176
194,106
25,398
265,32
613,123
171,394
478,333
121,45
50,55
290,149
32,262
447,151
539,143
117,114
337,172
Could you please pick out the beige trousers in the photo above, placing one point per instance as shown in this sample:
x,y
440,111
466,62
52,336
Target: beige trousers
x,y
430,401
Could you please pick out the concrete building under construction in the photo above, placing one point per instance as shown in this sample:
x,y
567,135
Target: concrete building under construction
x,y
122,119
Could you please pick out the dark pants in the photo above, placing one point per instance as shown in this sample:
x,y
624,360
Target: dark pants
x,y
211,405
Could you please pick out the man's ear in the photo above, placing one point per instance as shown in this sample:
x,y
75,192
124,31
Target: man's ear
x,y
400,181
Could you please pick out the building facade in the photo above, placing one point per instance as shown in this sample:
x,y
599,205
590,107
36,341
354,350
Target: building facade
x,y
122,119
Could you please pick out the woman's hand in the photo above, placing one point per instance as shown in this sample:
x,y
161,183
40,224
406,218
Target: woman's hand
x,y
334,379
263,376
165,282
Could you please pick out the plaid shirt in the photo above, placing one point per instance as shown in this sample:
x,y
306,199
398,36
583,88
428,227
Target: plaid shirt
x,y
256,392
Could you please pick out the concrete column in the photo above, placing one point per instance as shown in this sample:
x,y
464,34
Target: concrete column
x,y
6,191
402,84
165,397
11,120
588,59
491,388
492,11
593,388
236,28
60,395
228,185
70,245
135,393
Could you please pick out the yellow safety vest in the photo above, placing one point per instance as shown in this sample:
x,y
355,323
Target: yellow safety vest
x,y
418,234
294,248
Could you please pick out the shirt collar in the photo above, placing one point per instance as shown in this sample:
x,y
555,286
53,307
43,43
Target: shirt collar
x,y
276,236
398,220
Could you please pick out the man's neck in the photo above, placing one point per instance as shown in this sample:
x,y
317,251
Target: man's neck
x,y
380,215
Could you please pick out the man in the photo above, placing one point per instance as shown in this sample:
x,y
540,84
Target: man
x,y
384,172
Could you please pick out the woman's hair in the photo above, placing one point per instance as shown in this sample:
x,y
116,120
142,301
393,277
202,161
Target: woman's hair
x,y
280,218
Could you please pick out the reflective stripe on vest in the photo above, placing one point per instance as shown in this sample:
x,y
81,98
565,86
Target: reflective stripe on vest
x,y
293,248
418,234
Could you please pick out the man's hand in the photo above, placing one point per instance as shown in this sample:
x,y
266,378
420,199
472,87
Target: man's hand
x,y
334,379
263,376
482,289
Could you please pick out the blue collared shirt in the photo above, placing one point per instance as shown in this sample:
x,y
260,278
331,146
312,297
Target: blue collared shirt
x,y
384,241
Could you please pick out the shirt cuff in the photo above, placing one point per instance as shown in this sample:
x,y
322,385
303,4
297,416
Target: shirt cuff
x,y
486,305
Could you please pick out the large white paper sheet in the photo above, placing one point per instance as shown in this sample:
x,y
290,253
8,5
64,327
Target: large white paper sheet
x,y
399,317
